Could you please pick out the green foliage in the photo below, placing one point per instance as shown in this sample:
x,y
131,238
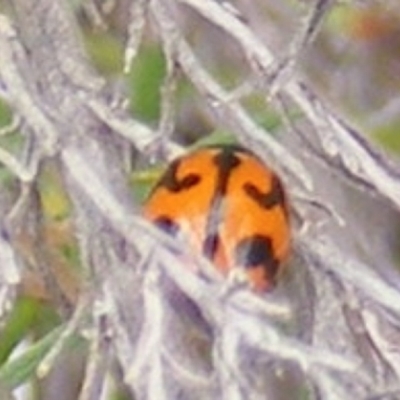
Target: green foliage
x,y
22,318
21,369
29,318
145,81
217,137
28,315
142,182
389,137
5,114
11,142
105,51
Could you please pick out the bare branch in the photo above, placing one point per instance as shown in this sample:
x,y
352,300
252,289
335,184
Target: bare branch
x,y
350,152
189,332
12,59
135,33
71,327
96,367
11,127
10,274
359,162
168,92
324,254
284,69
228,112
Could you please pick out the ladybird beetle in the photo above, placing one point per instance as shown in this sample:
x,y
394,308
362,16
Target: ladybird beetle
x,y
230,207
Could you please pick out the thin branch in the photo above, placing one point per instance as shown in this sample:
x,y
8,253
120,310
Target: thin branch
x,y
142,137
135,32
94,14
23,173
355,154
71,327
96,366
12,126
350,152
12,59
324,254
166,124
10,273
283,70
229,113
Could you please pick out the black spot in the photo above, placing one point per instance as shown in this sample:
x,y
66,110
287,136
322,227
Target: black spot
x,y
254,251
167,225
226,160
210,245
274,197
171,182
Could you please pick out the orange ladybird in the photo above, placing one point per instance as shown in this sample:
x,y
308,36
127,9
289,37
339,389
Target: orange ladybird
x,y
230,207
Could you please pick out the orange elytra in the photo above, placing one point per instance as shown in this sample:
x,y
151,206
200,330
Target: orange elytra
x,y
230,207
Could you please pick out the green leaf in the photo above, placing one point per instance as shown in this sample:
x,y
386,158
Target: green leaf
x,y
145,80
388,136
19,370
143,181
217,137
21,319
105,51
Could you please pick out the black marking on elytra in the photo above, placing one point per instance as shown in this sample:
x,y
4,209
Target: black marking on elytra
x,y
210,245
167,225
225,160
275,197
254,251
171,182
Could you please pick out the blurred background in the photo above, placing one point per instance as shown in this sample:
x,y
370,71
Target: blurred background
x,y
353,64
